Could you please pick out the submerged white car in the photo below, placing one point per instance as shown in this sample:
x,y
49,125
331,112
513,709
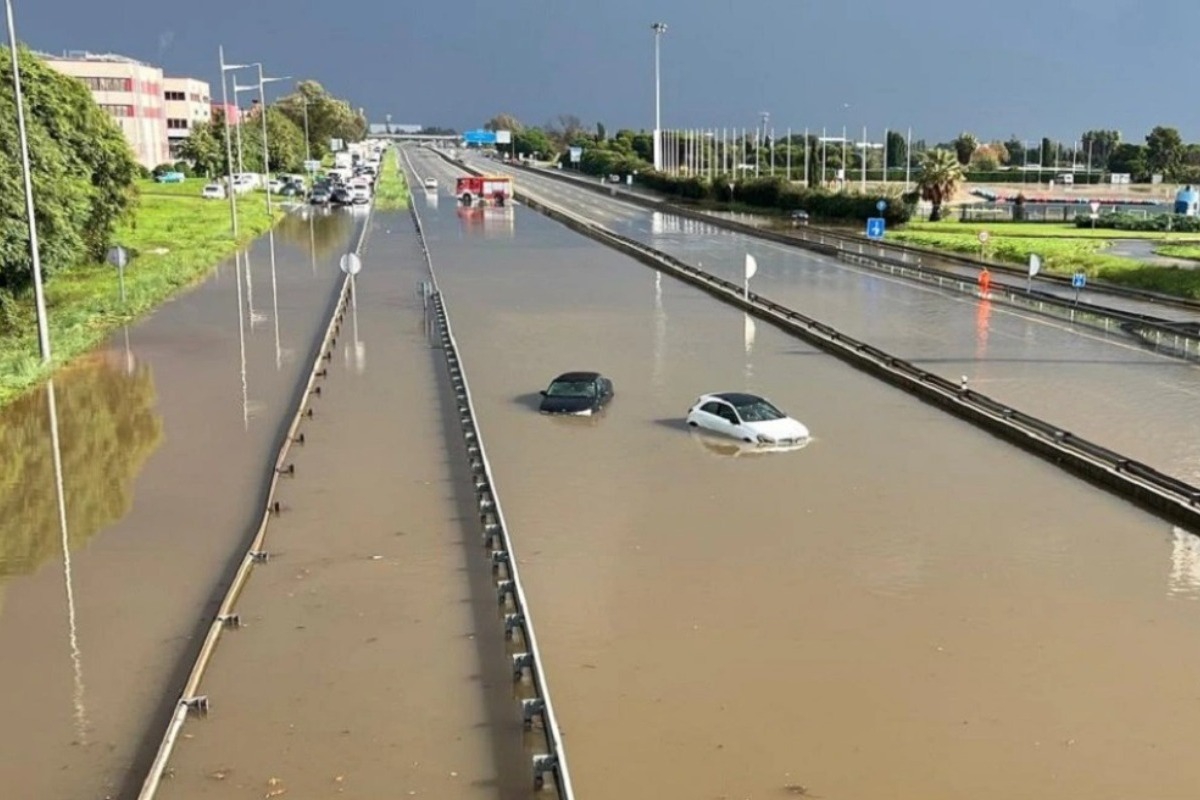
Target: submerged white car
x,y
431,183
747,418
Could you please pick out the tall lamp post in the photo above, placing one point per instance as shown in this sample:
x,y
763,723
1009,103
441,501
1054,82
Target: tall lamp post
x,y
659,29
34,250
262,112
228,137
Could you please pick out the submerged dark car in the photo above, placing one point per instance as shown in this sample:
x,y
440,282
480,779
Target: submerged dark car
x,y
576,393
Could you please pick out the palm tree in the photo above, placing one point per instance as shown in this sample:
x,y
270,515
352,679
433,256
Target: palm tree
x,y
940,176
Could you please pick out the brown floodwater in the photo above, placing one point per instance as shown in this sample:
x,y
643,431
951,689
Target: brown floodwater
x,y
908,607
371,663
165,434
1097,385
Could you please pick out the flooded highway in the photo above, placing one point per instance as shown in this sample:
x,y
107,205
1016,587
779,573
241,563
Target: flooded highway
x,y
165,435
907,607
371,662
1104,387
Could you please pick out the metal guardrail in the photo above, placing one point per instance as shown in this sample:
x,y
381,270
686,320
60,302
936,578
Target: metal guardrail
x,y
190,700
825,237
518,618
1172,498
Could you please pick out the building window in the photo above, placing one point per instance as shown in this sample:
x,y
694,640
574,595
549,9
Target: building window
x,y
176,96
109,84
177,124
117,111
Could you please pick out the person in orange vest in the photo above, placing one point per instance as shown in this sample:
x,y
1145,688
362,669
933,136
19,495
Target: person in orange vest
x,y
985,282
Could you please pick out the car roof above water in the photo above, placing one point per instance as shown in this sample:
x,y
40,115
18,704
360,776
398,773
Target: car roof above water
x,y
577,376
736,398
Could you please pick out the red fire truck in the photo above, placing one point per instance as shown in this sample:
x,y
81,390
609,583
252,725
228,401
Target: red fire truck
x,y
483,189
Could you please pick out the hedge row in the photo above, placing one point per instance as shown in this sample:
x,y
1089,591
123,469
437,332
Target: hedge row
x,y
1131,222
777,194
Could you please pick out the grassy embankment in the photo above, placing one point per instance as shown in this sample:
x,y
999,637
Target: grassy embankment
x,y
1064,249
391,190
174,239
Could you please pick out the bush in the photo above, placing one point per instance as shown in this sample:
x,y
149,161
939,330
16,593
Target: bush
x,y
778,194
1124,221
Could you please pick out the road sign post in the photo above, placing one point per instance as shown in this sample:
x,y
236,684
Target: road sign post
x,y
1078,280
876,227
1095,206
751,269
1035,266
119,257
983,240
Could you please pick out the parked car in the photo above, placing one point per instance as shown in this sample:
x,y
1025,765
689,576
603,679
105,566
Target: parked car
x,y
341,196
579,393
320,196
361,195
170,177
213,191
746,417
799,217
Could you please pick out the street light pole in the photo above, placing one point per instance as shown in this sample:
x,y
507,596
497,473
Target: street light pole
x,y
228,138
659,29
307,146
34,250
262,112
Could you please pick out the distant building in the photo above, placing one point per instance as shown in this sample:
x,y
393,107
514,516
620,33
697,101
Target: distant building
x,y
130,91
187,104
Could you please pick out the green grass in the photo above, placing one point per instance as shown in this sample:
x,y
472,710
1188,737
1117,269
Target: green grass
x,y
391,190
1039,230
1061,256
1179,251
174,239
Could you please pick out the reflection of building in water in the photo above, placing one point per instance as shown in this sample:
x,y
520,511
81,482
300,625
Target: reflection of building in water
x,y
487,220
1185,564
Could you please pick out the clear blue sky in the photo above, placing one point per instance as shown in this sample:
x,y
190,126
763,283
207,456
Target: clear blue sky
x,y
1029,67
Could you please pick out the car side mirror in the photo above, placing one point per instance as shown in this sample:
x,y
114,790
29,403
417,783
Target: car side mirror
x,y
542,392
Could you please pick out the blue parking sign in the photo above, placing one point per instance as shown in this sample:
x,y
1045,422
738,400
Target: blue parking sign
x,y
875,228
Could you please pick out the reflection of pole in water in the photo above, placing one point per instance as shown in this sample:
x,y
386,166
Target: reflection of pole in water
x,y
660,330
275,302
249,290
749,331
1185,563
128,353
359,348
73,636
242,343
312,240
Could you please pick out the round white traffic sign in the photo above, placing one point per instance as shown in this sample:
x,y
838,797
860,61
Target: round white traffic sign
x,y
117,256
983,237
351,264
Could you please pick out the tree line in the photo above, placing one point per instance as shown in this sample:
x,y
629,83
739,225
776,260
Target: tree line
x,y
309,108
82,171
1162,152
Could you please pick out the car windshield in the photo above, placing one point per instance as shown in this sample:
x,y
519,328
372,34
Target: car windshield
x,y
759,411
572,389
